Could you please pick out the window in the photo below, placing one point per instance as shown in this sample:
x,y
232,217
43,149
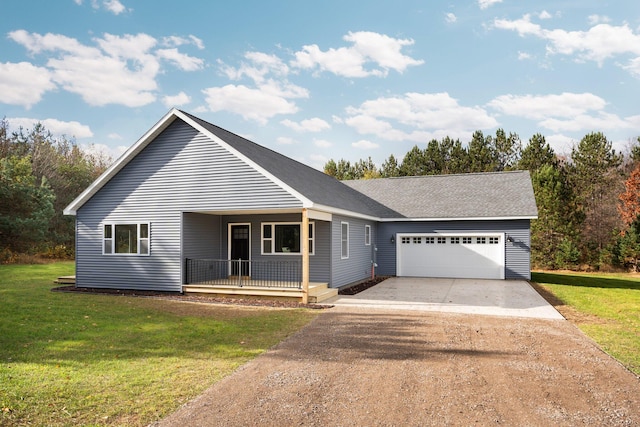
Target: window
x,y
494,240
466,240
417,240
429,240
344,240
406,240
442,240
367,235
455,240
481,240
285,238
130,239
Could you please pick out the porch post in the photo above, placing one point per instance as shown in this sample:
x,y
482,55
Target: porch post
x,y
305,256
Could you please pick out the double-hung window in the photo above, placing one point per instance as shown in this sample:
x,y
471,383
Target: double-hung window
x,y
126,238
285,238
344,240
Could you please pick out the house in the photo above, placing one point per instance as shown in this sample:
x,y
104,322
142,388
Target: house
x,y
193,204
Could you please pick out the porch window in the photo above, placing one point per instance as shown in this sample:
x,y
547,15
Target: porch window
x,y
127,239
285,238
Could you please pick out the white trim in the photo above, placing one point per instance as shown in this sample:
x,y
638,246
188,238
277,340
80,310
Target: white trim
x,y
113,225
273,236
478,218
342,255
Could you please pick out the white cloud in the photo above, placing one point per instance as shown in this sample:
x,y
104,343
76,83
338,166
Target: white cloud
x,y
251,104
115,136
102,150
484,4
258,66
363,144
422,114
175,41
117,70
450,18
283,140
309,125
322,143
114,6
382,51
176,100
181,60
561,144
598,43
23,83
598,19
539,107
567,112
544,15
72,129
523,56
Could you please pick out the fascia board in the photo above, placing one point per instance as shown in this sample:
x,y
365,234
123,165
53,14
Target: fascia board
x,y
120,163
306,203
479,218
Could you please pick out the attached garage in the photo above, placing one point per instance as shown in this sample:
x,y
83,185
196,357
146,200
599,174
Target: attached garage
x,y
474,256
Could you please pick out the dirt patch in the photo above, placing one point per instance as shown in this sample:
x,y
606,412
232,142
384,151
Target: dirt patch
x,y
384,368
567,312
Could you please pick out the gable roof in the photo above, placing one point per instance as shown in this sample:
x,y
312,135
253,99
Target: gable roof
x,y
313,188
493,195
505,195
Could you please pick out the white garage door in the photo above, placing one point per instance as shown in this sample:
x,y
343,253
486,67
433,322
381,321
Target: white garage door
x,y
474,256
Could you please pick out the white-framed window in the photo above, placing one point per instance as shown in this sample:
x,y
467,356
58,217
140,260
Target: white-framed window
x,y
417,240
481,240
466,240
284,238
494,240
126,238
429,240
455,240
367,235
406,240
442,240
344,240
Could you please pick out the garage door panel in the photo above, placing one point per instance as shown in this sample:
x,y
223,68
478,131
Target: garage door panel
x,y
433,255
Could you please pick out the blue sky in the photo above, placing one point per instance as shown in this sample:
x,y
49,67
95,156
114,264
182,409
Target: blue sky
x,y
316,80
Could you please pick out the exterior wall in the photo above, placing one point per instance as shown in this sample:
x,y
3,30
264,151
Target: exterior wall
x,y
180,171
201,236
358,266
517,255
318,262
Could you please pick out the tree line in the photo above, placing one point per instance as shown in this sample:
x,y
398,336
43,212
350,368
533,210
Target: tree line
x,y
588,202
39,176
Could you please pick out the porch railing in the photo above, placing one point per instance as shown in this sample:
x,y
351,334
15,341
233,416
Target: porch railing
x,y
267,274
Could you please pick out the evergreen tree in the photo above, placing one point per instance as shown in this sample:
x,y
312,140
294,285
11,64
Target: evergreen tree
x,y
414,163
536,154
390,168
508,150
482,154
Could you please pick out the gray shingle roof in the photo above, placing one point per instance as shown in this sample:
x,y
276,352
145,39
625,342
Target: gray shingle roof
x,y
473,195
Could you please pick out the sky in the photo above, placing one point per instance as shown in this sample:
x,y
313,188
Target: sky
x,y
319,80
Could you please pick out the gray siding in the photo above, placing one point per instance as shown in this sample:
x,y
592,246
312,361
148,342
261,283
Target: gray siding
x,y
180,171
517,256
200,236
318,262
358,266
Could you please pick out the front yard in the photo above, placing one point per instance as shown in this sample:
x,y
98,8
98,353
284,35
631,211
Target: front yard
x,y
78,359
606,307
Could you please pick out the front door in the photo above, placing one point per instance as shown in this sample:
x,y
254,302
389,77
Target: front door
x,y
239,249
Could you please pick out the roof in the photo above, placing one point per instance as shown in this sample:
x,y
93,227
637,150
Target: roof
x,y
497,195
493,195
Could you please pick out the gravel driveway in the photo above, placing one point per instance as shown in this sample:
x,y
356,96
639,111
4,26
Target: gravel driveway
x,y
352,367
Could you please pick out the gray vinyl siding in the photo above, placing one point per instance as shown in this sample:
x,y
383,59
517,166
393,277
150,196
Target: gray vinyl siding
x,y
201,235
180,171
318,262
517,254
358,266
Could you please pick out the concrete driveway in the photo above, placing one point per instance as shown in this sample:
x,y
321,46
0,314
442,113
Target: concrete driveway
x,y
514,298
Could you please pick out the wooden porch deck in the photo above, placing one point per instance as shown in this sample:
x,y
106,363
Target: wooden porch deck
x,y
318,292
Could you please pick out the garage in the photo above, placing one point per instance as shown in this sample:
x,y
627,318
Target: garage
x,y
469,256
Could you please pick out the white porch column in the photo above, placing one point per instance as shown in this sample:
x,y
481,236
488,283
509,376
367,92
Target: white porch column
x,y
305,256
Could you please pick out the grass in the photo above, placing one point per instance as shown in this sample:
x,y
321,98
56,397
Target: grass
x,y
605,306
81,359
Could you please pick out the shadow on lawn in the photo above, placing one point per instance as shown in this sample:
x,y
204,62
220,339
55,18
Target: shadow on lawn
x,y
585,281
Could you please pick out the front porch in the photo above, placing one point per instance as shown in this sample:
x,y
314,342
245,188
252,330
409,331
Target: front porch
x,y
252,279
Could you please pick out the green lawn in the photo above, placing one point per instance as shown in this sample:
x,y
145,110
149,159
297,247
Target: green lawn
x,y
78,359
607,306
